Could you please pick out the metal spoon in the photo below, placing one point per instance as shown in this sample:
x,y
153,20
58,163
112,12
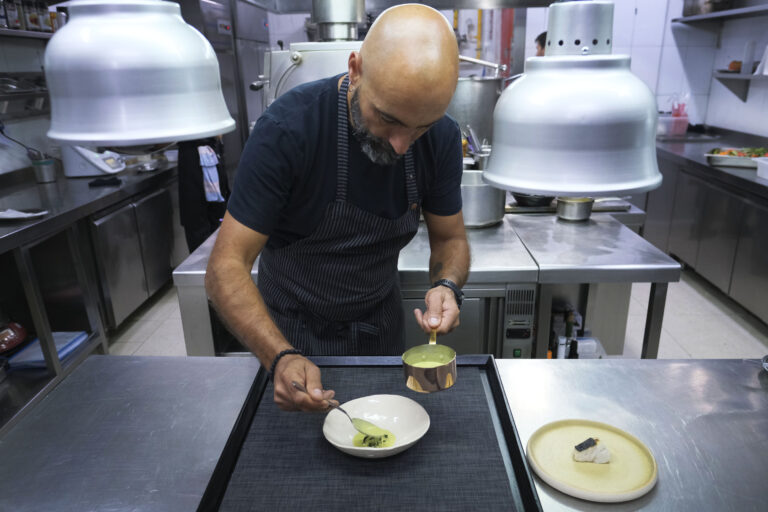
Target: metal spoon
x,y
364,427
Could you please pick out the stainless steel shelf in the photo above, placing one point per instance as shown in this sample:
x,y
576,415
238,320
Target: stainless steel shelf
x,y
737,83
23,95
730,14
29,34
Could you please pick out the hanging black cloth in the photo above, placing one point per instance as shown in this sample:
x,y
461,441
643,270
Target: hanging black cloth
x,y
199,217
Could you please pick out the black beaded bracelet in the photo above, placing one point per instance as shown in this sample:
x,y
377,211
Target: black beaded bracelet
x,y
281,354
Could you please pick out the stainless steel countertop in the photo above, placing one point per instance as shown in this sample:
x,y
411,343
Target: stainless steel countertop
x,y
498,256
600,250
67,201
705,421
144,433
125,433
691,156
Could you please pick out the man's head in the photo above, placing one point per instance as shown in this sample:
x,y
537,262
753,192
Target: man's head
x,y
541,41
402,80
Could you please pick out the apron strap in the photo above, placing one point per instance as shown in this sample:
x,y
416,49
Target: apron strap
x,y
342,143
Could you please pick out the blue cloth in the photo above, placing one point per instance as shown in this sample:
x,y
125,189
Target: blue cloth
x,y
208,162
287,173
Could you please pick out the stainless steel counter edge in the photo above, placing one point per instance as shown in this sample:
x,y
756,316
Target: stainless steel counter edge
x,y
125,433
691,155
498,257
68,200
705,421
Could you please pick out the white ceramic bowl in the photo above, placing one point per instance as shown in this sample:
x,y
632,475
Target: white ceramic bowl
x,y
405,418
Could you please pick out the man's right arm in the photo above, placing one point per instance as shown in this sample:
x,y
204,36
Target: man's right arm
x,y
240,305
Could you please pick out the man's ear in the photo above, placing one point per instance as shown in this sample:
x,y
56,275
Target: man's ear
x,y
355,65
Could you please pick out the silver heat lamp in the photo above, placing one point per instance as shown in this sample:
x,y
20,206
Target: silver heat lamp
x,y
578,122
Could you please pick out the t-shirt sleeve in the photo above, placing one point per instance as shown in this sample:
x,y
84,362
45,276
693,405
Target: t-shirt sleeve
x,y
444,193
265,175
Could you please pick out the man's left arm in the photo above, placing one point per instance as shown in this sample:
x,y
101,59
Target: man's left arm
x,y
449,259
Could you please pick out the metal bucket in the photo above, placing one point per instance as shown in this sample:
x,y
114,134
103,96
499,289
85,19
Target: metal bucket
x,y
483,205
473,103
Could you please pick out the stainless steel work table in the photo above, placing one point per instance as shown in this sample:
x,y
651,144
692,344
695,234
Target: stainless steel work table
x,y
145,433
125,433
705,421
498,257
599,250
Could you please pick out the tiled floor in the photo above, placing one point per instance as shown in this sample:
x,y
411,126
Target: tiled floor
x,y
699,322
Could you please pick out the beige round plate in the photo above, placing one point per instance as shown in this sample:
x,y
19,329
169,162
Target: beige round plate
x,y
631,473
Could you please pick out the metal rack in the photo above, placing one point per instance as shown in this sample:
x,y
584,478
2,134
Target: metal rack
x,y
29,34
24,388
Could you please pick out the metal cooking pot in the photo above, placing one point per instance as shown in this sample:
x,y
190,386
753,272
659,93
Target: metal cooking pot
x,y
483,205
574,208
429,368
473,103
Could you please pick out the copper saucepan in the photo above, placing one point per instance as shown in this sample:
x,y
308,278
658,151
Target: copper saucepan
x,y
429,368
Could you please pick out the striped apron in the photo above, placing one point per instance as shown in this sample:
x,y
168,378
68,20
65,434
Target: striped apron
x,y
337,291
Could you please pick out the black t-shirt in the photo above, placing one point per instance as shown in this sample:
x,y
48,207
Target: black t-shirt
x,y
287,173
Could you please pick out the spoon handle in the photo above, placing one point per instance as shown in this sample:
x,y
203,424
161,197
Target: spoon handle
x,y
433,337
330,404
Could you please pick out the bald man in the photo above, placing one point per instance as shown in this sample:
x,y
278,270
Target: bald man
x,y
328,191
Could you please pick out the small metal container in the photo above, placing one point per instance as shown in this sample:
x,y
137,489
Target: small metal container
x,y
45,170
574,208
429,368
483,205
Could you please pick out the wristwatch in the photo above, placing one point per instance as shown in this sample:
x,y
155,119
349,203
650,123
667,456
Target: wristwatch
x,y
454,288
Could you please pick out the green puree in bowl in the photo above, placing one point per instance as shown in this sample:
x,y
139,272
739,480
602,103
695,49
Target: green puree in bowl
x,y
383,439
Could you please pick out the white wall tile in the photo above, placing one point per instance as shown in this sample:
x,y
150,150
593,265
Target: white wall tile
x,y
650,21
676,34
645,64
698,66
671,70
623,22
701,35
697,108
622,50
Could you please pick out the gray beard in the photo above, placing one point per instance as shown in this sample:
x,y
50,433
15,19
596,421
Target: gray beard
x,y
378,150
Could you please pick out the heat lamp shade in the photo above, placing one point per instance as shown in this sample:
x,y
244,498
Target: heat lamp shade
x,y
575,125
132,72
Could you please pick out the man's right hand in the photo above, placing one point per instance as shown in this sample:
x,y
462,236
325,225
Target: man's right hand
x,y
297,368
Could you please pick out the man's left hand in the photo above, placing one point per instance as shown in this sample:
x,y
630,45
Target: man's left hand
x,y
442,311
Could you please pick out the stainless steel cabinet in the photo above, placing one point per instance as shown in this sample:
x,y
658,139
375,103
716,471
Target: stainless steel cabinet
x,y
118,259
690,196
132,247
749,285
468,338
719,226
153,223
658,207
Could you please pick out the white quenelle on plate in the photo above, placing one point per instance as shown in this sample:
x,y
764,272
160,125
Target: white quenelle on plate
x,y
405,418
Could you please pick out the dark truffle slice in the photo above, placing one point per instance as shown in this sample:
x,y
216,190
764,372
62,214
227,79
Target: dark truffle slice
x,y
589,443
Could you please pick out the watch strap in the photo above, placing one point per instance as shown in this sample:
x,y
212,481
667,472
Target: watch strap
x,y
453,287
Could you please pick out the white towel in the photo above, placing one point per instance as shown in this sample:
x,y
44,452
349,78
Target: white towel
x,y
209,161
